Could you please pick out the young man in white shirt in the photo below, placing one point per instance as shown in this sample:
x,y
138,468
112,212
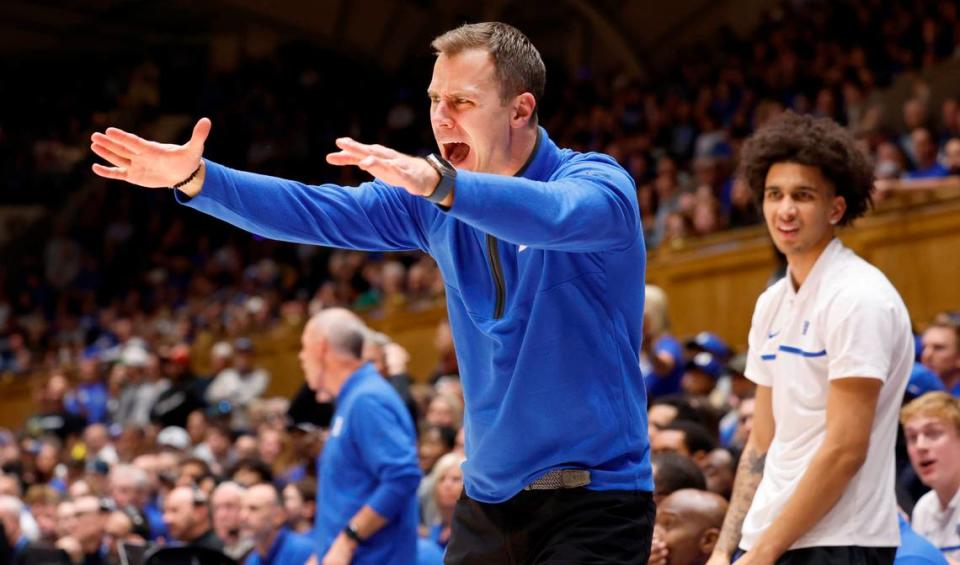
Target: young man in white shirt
x,y
831,352
931,425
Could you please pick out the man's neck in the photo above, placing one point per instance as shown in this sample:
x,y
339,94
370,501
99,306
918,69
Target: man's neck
x,y
523,142
946,492
263,544
339,374
801,264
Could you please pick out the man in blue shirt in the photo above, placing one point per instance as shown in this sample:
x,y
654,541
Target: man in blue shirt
x,y
542,253
263,518
368,472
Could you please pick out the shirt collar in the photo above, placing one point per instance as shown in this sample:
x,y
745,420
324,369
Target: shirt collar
x,y
816,273
543,159
275,546
354,379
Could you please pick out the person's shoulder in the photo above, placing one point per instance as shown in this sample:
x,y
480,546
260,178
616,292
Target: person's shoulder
x,y
926,506
590,163
298,548
769,294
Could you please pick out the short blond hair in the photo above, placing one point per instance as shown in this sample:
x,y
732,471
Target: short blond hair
x,y
656,310
938,404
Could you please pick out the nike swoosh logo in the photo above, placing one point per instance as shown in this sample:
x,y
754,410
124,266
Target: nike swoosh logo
x,y
773,335
522,249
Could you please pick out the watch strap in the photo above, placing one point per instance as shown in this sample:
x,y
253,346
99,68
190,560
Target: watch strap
x,y
448,177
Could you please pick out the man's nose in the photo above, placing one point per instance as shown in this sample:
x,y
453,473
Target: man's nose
x,y
440,115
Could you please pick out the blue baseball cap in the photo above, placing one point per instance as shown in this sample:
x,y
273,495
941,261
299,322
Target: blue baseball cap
x,y
711,343
705,363
923,380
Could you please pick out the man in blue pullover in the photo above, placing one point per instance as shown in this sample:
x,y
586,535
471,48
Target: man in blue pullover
x,y
542,253
368,469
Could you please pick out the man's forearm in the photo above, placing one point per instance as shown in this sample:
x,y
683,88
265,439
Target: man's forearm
x,y
368,522
749,474
819,489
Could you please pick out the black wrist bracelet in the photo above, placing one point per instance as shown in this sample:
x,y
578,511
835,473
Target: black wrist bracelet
x,y
192,176
351,532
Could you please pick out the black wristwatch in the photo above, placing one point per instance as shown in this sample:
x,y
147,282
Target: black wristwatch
x,y
448,177
351,532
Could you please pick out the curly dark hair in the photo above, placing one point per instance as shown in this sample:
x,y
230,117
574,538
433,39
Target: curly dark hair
x,y
816,142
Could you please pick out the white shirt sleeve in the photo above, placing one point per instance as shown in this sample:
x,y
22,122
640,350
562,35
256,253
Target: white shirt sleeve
x,y
757,369
861,335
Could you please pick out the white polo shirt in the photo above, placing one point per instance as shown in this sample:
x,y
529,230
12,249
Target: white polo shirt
x,y
941,526
846,320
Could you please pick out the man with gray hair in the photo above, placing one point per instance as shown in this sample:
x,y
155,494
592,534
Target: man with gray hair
x,y
541,250
368,469
10,510
226,503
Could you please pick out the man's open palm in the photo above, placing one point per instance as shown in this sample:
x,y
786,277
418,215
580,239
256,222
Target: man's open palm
x,y
148,163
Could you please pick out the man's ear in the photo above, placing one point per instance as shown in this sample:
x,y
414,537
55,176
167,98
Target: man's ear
x,y
522,110
837,209
708,540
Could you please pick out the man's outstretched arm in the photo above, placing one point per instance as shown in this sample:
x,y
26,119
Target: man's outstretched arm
x,y
373,216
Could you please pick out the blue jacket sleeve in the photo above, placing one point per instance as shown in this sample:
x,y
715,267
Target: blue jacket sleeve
x,y
590,204
371,217
389,451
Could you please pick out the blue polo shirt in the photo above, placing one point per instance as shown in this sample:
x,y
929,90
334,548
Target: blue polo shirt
x,y
289,548
370,459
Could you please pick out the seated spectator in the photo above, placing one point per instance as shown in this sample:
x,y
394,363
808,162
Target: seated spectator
x,y
687,527
240,384
89,398
661,357
264,520
42,501
10,486
121,527
434,442
447,481
719,468
66,518
226,503
689,439
181,396
931,424
925,152
186,514
672,472
700,374
300,502
10,510
941,352
665,410
445,411
96,438
89,528
251,471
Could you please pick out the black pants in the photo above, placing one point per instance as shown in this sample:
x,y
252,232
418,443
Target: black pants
x,y
553,526
839,555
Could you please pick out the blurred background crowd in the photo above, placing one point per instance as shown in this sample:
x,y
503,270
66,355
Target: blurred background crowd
x,y
138,320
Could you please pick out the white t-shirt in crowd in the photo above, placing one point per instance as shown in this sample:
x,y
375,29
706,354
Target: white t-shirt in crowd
x,y
846,320
941,526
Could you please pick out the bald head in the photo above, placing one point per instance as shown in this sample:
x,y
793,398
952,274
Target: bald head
x,y
343,330
707,507
690,522
263,512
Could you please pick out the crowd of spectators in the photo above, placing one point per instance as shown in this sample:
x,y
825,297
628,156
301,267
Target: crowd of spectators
x,y
151,422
